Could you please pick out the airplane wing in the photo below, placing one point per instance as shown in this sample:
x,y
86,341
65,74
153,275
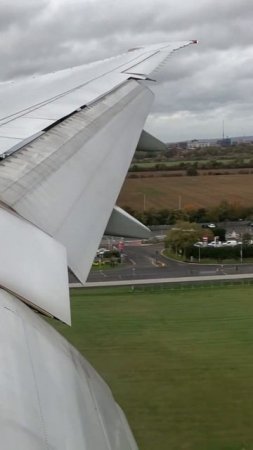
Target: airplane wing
x,y
31,106
66,142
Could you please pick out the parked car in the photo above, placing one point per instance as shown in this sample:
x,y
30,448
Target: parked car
x,y
215,244
101,251
198,244
231,243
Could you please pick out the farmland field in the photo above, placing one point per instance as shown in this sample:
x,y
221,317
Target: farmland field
x,y
179,362
198,191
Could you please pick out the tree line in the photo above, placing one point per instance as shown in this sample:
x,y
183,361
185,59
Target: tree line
x,y
220,213
192,167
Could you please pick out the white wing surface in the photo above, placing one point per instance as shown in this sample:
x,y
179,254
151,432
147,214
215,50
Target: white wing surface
x,y
66,142
30,106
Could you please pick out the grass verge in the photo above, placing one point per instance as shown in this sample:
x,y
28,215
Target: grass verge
x,y
179,362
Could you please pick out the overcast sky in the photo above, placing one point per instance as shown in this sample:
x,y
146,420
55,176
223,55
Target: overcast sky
x,y
201,86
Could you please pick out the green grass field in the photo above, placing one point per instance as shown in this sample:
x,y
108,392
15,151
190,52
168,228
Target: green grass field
x,y
179,362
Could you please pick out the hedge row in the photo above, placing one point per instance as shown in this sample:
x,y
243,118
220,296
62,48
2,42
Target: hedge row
x,y
220,253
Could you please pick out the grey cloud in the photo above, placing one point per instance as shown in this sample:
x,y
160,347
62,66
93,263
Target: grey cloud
x,y
198,85
15,14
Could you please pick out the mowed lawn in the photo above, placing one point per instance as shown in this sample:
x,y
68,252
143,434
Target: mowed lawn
x,y
198,191
179,362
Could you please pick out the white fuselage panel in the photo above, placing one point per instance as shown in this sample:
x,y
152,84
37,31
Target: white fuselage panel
x,y
50,396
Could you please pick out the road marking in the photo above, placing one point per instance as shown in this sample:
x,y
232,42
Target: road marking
x,y
102,273
132,261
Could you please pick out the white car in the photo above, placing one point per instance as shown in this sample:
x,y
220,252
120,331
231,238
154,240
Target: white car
x,y
101,251
214,244
231,243
211,225
198,244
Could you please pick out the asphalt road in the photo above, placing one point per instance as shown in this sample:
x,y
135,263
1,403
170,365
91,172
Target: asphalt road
x,y
146,262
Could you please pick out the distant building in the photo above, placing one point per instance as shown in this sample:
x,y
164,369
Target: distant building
x,y
194,144
226,142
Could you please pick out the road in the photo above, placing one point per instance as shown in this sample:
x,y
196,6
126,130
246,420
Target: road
x,y
145,262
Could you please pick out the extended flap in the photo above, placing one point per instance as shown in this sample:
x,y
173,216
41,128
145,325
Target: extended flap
x,y
123,224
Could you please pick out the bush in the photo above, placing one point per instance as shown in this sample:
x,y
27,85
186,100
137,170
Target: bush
x,y
192,171
220,253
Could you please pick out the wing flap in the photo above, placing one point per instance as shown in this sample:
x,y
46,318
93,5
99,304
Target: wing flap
x,y
123,224
149,142
33,266
67,181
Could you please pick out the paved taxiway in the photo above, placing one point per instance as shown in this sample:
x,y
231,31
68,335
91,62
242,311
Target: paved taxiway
x,y
146,262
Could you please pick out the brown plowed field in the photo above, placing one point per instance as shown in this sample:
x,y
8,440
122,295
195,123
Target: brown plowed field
x,y
198,191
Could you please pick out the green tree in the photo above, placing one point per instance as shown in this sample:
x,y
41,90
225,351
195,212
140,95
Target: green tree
x,y
182,235
192,170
